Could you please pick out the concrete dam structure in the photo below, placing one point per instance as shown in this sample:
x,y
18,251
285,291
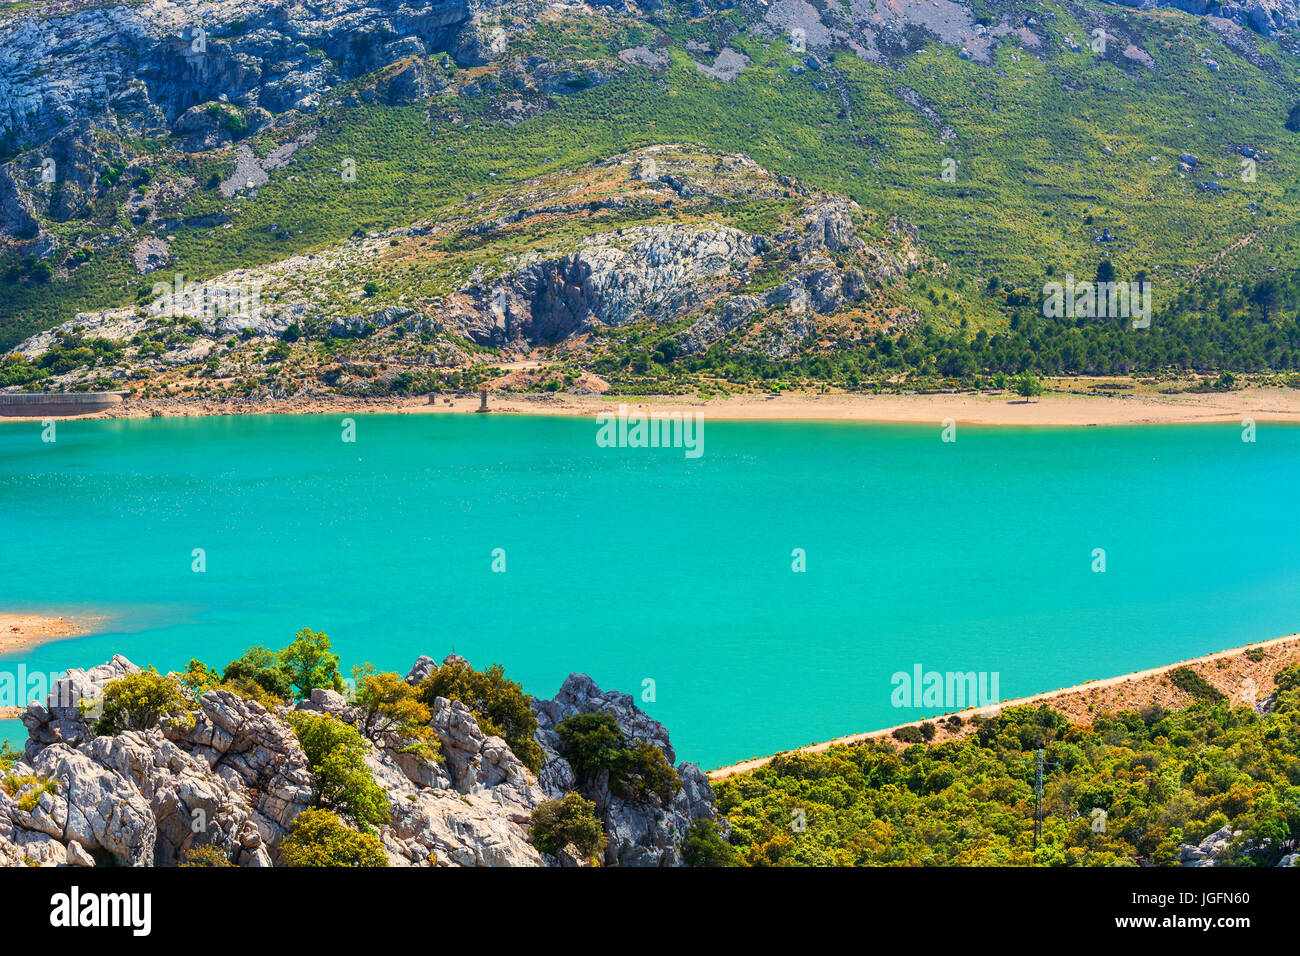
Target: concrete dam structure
x,y
43,404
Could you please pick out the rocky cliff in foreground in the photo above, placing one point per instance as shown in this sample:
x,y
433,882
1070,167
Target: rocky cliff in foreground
x,y
232,776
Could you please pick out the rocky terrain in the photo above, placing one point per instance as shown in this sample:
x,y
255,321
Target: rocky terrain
x,y
377,197
232,776
641,239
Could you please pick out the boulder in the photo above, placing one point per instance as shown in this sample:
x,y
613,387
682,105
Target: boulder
x,y
638,833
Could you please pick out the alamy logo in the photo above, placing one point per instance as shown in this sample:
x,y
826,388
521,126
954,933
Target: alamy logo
x,y
951,690
76,909
19,687
654,430
1099,300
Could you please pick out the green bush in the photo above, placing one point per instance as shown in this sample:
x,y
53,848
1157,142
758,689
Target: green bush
x,y
593,742
138,701
319,838
1184,678
309,663
8,757
1163,778
336,753
31,787
1288,678
499,705
704,846
199,677
910,734
392,707
557,823
262,667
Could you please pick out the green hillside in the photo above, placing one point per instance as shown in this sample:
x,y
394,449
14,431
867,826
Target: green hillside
x,y
1161,779
1055,147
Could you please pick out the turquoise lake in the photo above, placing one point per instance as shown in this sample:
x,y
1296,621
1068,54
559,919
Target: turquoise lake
x,y
643,564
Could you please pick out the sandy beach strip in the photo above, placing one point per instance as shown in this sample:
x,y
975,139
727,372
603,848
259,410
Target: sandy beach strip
x,y
1242,680
21,631
1053,409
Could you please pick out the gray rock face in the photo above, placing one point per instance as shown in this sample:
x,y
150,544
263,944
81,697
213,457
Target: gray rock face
x,y
230,776
173,56
648,272
645,833
60,718
1208,850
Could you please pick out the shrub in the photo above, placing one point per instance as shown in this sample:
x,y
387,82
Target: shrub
x,y
309,663
704,846
251,690
8,757
204,856
138,701
336,753
499,705
557,823
33,785
1288,678
910,734
262,667
199,677
645,770
1184,678
1026,385
391,706
319,838
593,742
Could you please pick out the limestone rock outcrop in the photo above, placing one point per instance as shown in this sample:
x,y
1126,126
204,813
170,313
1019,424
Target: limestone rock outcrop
x,y
231,775
639,833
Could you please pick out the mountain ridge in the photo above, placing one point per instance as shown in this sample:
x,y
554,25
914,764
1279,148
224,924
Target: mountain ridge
x,y
972,129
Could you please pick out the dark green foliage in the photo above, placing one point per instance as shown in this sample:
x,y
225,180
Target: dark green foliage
x,y
309,663
499,705
1187,679
910,734
336,752
262,667
594,743
1288,678
1162,778
704,846
138,701
557,823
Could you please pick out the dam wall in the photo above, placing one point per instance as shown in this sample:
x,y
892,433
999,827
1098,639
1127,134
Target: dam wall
x,y
42,404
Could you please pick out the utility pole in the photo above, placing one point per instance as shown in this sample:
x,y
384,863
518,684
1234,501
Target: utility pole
x,y
1039,765
1038,795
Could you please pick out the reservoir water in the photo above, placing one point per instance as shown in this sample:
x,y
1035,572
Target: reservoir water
x,y
666,576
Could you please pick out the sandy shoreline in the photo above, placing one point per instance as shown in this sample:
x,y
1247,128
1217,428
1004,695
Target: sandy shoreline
x,y
1242,680
1056,409
21,631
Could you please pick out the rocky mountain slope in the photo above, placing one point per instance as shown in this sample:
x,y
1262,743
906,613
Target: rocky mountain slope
x,y
233,776
157,143
664,238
